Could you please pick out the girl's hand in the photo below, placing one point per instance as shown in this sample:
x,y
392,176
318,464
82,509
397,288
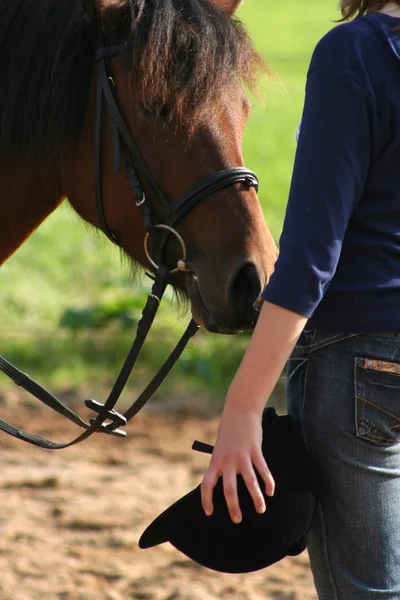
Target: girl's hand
x,y
237,451
238,446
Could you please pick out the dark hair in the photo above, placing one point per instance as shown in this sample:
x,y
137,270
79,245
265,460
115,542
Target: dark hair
x,y
357,8
46,60
185,52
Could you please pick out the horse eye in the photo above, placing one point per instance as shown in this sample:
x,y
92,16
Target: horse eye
x,y
165,113
154,113
148,112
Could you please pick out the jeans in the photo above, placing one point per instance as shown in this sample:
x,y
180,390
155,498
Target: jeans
x,y
344,391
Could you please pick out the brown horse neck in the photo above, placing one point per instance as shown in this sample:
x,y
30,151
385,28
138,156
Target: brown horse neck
x,y
27,197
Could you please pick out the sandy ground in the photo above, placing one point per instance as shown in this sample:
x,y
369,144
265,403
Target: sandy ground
x,y
70,520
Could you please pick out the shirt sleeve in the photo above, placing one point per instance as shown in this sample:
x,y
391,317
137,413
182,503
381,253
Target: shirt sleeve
x,y
331,167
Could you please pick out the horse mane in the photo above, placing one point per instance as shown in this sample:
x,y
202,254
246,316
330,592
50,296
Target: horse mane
x,y
46,60
180,53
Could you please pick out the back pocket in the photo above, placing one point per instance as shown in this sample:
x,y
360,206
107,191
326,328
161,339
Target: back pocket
x,y
377,386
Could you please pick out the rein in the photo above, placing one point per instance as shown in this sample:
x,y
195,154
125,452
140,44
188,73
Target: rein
x,y
107,419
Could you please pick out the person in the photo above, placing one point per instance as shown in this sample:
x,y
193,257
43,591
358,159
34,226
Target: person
x,y
332,311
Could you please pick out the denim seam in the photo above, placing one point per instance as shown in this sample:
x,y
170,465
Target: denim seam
x,y
324,537
306,374
323,523
327,556
340,337
355,391
305,383
382,410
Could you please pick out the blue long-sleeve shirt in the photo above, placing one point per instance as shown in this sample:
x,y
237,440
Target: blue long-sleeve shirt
x,y
339,259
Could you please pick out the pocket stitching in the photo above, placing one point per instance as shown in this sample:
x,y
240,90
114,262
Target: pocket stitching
x,y
386,412
360,363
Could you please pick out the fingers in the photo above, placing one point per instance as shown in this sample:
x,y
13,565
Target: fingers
x,y
265,474
251,481
229,475
231,495
229,479
207,487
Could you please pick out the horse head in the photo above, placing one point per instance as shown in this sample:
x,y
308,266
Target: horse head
x,y
177,70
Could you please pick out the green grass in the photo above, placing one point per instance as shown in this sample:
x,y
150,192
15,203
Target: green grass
x,y
64,265
285,34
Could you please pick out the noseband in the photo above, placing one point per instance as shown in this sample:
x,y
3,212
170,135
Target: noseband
x,y
107,420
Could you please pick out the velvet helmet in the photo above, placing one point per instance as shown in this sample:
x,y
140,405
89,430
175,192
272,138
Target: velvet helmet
x,y
260,540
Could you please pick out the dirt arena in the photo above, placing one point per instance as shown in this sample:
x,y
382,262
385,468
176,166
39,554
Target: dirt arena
x,y
70,520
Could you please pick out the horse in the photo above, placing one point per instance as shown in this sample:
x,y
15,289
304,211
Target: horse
x,y
177,71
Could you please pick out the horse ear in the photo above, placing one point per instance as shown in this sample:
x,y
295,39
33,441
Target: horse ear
x,y
228,6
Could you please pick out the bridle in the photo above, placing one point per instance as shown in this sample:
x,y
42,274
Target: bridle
x,y
107,419
123,143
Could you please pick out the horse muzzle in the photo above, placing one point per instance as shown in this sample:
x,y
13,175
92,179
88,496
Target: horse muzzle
x,y
230,307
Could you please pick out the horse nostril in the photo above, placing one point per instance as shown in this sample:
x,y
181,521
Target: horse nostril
x,y
243,291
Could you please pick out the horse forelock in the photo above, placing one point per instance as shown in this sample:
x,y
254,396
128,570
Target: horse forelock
x,y
182,53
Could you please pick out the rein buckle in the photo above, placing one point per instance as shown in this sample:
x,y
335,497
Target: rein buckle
x,y
117,420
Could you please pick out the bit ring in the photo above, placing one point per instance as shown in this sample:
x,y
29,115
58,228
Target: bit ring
x,y
180,240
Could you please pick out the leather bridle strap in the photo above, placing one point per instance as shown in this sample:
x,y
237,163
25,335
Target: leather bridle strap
x,y
24,381
98,167
172,212
118,124
107,419
198,192
208,186
160,377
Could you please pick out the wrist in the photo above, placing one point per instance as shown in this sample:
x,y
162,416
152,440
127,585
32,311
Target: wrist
x,y
245,402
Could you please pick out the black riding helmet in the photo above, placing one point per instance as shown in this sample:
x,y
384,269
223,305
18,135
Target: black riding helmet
x,y
260,540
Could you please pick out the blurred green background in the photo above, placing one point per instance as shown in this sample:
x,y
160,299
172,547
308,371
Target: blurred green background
x,y
68,306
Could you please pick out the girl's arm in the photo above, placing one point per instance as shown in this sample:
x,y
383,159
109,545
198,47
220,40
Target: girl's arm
x,y
336,145
238,446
